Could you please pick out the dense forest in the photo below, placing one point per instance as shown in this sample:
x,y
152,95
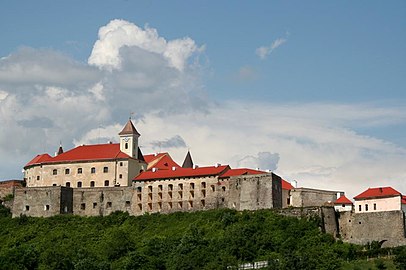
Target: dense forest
x,y
217,239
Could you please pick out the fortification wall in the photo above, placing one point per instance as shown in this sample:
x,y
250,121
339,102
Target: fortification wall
x,y
306,197
42,202
252,192
363,228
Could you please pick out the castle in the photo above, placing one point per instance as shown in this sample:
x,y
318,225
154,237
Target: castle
x,y
96,180
100,179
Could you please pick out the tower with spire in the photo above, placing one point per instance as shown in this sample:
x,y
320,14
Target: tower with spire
x,y
129,139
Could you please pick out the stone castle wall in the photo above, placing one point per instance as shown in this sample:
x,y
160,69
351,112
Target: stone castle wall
x,y
307,197
164,196
363,228
42,202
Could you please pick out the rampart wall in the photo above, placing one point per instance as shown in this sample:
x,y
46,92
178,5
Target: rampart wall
x,y
363,228
164,196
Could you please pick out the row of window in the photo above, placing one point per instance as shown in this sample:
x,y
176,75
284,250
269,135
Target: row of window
x,y
80,170
149,205
180,187
366,207
92,184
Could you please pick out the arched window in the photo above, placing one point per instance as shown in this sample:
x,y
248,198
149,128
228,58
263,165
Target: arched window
x,y
93,170
91,183
67,184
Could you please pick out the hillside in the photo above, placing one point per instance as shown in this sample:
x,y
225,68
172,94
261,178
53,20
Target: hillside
x,y
200,240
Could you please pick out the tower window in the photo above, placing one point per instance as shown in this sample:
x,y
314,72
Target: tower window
x,y
93,170
120,176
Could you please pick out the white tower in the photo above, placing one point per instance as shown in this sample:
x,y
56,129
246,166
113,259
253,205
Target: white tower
x,y
129,140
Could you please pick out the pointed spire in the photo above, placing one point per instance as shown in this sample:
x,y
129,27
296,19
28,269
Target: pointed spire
x,y
60,150
129,129
188,163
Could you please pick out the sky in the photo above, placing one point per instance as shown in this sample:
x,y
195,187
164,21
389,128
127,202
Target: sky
x,y
312,90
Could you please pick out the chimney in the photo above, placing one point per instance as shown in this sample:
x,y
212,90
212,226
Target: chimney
x,y
195,166
294,183
217,165
173,168
338,195
154,169
380,189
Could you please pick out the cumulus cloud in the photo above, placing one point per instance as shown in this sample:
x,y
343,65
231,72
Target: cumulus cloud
x,y
47,97
264,51
119,33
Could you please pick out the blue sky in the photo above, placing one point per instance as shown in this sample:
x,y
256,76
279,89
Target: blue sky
x,y
337,65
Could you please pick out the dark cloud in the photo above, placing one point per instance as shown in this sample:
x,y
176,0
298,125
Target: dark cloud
x,y
174,142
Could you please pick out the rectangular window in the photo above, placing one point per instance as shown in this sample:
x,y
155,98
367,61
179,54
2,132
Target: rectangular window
x,y
120,176
213,188
54,172
140,207
192,194
159,206
203,203
149,188
46,207
180,194
192,185
106,183
109,204
92,183
150,197
93,170
121,164
180,205
139,189
204,193
83,206
150,206
79,184
67,184
169,205
67,171
203,184
139,197
127,204
374,206
359,208
106,169
160,188
180,186
38,177
223,188
79,170
366,207
170,187
27,208
94,205
190,204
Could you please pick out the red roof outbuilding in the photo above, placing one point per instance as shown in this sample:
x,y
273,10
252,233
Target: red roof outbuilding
x,y
343,200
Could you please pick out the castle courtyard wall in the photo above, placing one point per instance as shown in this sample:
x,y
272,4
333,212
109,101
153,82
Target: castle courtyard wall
x,y
42,202
307,197
363,228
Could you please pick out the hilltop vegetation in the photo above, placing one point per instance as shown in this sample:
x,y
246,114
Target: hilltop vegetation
x,y
200,240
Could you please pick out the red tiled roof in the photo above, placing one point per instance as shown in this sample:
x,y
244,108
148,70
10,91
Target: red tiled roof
x,y
241,171
161,161
403,199
343,200
286,185
182,172
378,193
39,159
83,153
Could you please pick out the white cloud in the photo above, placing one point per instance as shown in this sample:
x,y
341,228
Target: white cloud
x,y
264,51
119,33
47,97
